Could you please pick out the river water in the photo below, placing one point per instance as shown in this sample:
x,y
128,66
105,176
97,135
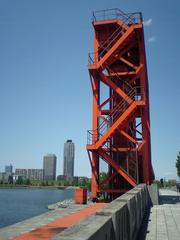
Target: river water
x,y
19,204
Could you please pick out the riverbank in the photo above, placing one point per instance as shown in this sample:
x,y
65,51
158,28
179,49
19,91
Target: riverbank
x,y
18,204
9,186
62,204
50,222
67,203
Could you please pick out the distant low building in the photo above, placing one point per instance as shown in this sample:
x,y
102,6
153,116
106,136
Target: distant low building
x,y
35,174
2,175
172,181
61,177
21,172
81,180
31,174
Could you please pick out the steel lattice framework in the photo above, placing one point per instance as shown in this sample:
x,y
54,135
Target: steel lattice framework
x,y
120,134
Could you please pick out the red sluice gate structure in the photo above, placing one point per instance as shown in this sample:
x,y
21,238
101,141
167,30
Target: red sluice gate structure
x,y
120,137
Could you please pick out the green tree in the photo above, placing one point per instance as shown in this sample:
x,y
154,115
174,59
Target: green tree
x,y
27,182
42,183
20,180
52,183
103,176
10,179
88,184
178,164
66,183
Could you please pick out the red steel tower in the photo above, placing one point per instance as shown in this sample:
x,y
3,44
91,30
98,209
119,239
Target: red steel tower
x,y
120,135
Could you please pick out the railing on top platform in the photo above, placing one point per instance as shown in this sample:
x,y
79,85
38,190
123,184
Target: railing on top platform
x,y
115,13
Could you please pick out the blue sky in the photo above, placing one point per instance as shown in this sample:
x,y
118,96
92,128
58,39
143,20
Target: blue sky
x,y
45,93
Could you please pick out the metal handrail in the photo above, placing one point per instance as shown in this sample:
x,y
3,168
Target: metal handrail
x,y
109,41
115,113
114,14
117,76
116,109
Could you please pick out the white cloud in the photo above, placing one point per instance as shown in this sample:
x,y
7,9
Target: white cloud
x,y
151,39
148,22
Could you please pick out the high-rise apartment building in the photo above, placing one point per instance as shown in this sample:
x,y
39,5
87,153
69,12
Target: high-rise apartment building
x,y
69,152
49,167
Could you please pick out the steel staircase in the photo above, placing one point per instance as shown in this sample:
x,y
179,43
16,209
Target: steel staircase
x,y
121,107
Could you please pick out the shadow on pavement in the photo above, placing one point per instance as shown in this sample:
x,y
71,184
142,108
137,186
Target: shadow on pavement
x,y
163,199
143,230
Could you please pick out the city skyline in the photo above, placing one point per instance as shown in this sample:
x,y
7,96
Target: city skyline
x,y
45,94
60,171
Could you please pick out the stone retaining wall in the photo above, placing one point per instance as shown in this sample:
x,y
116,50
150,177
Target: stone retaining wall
x,y
120,220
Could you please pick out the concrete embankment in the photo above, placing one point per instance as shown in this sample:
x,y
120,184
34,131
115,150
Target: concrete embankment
x,y
120,220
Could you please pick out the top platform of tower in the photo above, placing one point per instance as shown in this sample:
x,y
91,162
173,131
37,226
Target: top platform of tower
x,y
109,25
116,14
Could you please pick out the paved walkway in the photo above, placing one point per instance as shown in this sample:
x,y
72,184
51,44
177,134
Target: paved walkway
x,y
164,220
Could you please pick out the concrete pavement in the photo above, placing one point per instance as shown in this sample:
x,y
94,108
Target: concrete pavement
x,y
163,221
